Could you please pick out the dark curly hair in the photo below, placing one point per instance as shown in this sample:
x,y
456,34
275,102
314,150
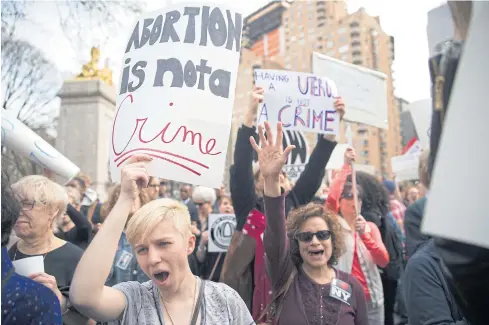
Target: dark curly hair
x,y
298,216
375,199
10,209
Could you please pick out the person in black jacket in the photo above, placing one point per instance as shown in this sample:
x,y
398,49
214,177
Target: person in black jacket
x,y
428,297
247,187
74,227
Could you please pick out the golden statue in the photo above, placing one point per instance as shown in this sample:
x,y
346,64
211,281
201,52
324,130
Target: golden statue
x,y
91,71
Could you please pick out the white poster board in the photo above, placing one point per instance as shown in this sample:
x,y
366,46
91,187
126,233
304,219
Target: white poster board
x,y
337,159
29,265
369,169
457,203
406,167
364,90
421,116
21,139
176,94
221,229
301,101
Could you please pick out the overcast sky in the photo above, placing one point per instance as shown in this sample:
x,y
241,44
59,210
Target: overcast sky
x,y
406,20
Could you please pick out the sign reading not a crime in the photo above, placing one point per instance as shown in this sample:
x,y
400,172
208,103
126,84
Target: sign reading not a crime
x,y
221,229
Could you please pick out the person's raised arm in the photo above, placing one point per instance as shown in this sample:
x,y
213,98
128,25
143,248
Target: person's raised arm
x,y
88,292
310,179
332,202
242,182
83,227
272,158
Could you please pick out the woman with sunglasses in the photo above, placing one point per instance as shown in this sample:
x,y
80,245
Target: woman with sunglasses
x,y
302,251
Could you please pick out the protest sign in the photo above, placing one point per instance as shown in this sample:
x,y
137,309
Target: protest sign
x,y
176,94
456,208
421,116
221,229
364,90
298,158
406,167
301,101
337,159
21,139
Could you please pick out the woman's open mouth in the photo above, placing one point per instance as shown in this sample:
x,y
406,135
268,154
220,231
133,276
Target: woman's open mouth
x,y
161,276
316,253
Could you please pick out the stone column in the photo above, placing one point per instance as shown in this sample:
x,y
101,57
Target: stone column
x,y
84,126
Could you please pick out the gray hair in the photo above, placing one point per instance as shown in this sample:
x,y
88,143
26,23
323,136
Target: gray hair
x,y
204,194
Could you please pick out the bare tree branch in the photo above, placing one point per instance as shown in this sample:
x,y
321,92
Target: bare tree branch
x,y
30,82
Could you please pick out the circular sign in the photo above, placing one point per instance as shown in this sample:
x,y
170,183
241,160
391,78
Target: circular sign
x,y
222,230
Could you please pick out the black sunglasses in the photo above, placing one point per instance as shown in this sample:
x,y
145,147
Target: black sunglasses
x,y
307,236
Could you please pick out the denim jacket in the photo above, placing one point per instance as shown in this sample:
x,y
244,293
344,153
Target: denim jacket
x,y
125,266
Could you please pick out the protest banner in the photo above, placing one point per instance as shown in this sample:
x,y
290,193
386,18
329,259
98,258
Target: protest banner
x,y
21,139
298,158
364,90
176,94
421,116
456,208
301,101
221,229
406,167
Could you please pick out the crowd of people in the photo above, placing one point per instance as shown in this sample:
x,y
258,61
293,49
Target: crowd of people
x,y
347,253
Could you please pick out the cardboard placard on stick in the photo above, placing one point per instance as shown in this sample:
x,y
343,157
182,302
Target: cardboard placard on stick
x,y
176,94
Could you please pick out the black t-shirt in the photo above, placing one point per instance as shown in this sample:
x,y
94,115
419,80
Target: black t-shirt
x,y
60,263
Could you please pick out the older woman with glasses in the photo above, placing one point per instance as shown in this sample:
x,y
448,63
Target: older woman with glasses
x,y
43,204
302,251
160,234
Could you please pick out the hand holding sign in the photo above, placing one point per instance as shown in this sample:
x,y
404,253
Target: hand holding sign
x,y
271,157
350,156
339,106
134,176
256,98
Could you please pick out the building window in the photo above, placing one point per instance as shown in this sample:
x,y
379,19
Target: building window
x,y
301,41
342,39
354,24
365,143
329,44
364,153
343,49
342,30
357,62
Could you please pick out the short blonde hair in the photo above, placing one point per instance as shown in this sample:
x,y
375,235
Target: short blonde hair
x,y
43,191
146,219
73,195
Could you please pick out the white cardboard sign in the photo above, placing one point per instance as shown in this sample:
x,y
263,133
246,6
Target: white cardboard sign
x,y
406,167
364,90
176,94
301,101
221,229
21,139
457,203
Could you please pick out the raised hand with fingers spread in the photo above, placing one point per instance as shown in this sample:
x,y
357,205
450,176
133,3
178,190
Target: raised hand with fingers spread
x,y
271,156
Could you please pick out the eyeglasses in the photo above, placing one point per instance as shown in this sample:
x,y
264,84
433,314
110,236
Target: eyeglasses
x,y
27,205
154,185
307,236
199,204
162,183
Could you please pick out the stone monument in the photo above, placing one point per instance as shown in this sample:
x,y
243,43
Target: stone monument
x,y
86,114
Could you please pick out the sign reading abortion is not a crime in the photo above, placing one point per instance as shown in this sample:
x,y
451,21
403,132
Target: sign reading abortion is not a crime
x,y
301,101
176,94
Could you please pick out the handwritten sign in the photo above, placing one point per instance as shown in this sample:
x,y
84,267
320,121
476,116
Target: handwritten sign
x,y
364,90
221,229
298,158
21,139
301,101
176,93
